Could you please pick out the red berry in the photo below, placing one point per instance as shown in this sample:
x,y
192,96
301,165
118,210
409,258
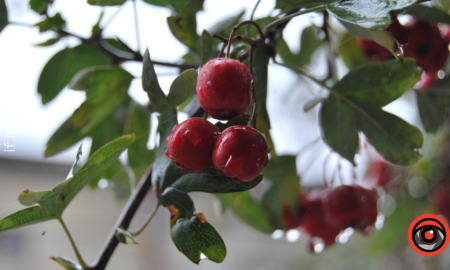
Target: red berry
x,y
350,206
190,145
313,220
223,88
240,152
373,51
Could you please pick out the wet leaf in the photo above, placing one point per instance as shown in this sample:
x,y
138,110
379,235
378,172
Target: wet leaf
x,y
369,18
53,202
51,23
193,237
428,13
105,88
184,27
151,86
212,182
310,41
207,46
355,104
287,4
60,69
182,88
433,104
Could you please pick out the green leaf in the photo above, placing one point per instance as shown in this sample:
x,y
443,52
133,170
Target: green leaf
x,y
125,237
159,3
58,72
194,5
194,237
106,2
212,182
433,104
369,18
53,202
48,42
224,26
67,263
351,53
38,6
288,4
96,28
428,13
164,173
284,188
138,121
444,4
51,23
260,75
355,105
105,88
249,211
184,26
309,43
207,46
182,88
3,15
118,45
179,203
150,85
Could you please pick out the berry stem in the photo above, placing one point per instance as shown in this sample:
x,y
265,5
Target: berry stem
x,y
252,87
142,227
261,34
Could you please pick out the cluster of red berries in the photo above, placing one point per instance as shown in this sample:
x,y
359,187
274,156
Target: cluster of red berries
x,y
239,152
324,214
422,40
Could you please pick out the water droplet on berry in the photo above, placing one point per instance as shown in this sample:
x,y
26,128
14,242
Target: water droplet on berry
x,y
209,83
380,222
293,235
277,234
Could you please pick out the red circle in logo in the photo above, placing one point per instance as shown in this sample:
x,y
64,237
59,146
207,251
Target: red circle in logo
x,y
429,235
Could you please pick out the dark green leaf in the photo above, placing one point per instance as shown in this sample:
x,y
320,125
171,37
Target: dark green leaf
x,y
433,103
288,4
193,237
179,203
428,13
194,5
369,18
247,210
260,75
212,182
38,5
138,121
184,28
67,263
207,43
160,3
106,2
284,188
351,53
96,28
105,88
3,15
53,202
309,43
444,4
51,23
355,105
58,72
48,42
182,88
118,45
151,86
125,237
238,50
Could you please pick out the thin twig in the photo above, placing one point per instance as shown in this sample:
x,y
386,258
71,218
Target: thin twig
x,y
262,37
251,17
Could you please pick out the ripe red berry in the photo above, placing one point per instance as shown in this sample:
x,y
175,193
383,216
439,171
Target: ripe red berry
x,y
223,88
350,206
190,145
313,220
240,152
374,52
